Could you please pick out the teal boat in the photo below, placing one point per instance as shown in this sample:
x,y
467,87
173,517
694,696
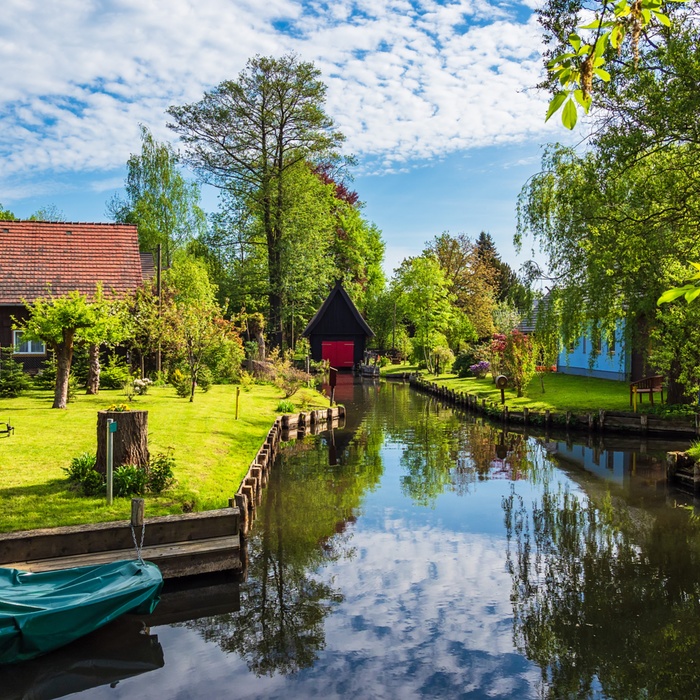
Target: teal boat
x,y
46,610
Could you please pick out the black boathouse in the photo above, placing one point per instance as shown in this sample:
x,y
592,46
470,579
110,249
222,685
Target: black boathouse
x,y
337,332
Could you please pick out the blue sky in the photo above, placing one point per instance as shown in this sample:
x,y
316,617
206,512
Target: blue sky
x,y
436,99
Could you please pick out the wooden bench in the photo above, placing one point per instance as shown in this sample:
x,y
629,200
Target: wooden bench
x,y
647,385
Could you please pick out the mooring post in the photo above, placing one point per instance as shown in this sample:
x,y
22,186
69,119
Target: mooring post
x,y
241,502
137,512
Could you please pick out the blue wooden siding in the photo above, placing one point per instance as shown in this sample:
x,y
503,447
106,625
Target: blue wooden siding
x,y
608,365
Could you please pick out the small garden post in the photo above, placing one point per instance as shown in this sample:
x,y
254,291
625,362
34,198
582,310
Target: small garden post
x,y
111,429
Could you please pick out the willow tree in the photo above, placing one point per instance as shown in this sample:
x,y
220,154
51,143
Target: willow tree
x,y
247,135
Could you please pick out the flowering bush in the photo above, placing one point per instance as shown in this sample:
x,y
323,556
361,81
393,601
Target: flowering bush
x,y
117,407
480,369
141,386
519,360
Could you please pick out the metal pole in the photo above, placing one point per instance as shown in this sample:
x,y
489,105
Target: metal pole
x,y
238,398
159,292
110,459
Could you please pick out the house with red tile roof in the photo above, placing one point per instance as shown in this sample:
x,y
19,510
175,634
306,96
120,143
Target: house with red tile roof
x,y
40,257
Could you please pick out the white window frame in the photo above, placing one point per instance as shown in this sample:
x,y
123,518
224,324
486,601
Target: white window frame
x,y
34,347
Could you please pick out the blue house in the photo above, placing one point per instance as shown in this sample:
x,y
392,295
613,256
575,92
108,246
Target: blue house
x,y
612,362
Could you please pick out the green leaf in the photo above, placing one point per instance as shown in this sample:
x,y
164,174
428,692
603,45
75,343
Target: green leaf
x,y
593,25
617,35
601,43
646,16
584,102
622,9
663,19
602,74
575,41
673,294
569,116
696,265
556,103
691,296
565,76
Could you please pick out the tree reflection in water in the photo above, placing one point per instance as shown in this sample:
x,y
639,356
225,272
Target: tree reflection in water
x,y
302,527
445,451
605,599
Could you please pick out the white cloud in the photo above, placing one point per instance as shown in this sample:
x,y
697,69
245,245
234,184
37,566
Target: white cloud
x,y
406,80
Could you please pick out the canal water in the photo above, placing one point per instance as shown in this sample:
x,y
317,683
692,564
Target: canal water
x,y
417,552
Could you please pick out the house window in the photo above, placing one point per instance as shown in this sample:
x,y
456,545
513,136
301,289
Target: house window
x,y
27,347
611,345
584,344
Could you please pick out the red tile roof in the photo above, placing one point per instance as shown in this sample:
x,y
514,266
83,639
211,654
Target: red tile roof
x,y
67,256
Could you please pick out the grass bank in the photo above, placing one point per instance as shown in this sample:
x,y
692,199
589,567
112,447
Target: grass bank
x,y
212,451
562,392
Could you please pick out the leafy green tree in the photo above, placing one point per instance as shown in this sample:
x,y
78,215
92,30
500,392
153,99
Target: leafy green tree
x,y
425,300
62,321
472,280
163,205
247,135
193,323
48,213
509,287
6,214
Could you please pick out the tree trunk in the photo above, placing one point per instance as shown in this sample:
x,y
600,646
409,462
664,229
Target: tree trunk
x,y
64,357
93,380
130,440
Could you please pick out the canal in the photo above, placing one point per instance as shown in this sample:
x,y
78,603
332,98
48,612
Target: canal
x,y
416,552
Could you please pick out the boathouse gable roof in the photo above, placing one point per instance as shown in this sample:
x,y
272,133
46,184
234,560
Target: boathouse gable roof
x,y
338,310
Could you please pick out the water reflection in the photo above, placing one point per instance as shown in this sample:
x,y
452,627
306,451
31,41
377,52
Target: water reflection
x,y
121,650
313,494
605,595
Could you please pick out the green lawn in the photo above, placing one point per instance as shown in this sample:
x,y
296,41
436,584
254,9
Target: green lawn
x,y
563,392
212,451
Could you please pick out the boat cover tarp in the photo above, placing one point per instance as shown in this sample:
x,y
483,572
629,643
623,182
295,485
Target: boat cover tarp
x,y
46,610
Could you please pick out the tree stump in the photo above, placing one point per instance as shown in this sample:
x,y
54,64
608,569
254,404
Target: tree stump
x,y
130,440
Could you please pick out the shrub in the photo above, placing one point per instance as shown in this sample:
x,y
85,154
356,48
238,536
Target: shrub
x,y
141,386
246,380
181,382
204,378
93,484
519,360
46,377
161,472
480,369
129,480
115,374
285,406
80,466
13,380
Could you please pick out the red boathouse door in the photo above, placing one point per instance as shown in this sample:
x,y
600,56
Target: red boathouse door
x,y
340,353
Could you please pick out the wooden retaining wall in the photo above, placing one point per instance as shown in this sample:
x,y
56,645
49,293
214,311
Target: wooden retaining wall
x,y
181,545
286,427
612,421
